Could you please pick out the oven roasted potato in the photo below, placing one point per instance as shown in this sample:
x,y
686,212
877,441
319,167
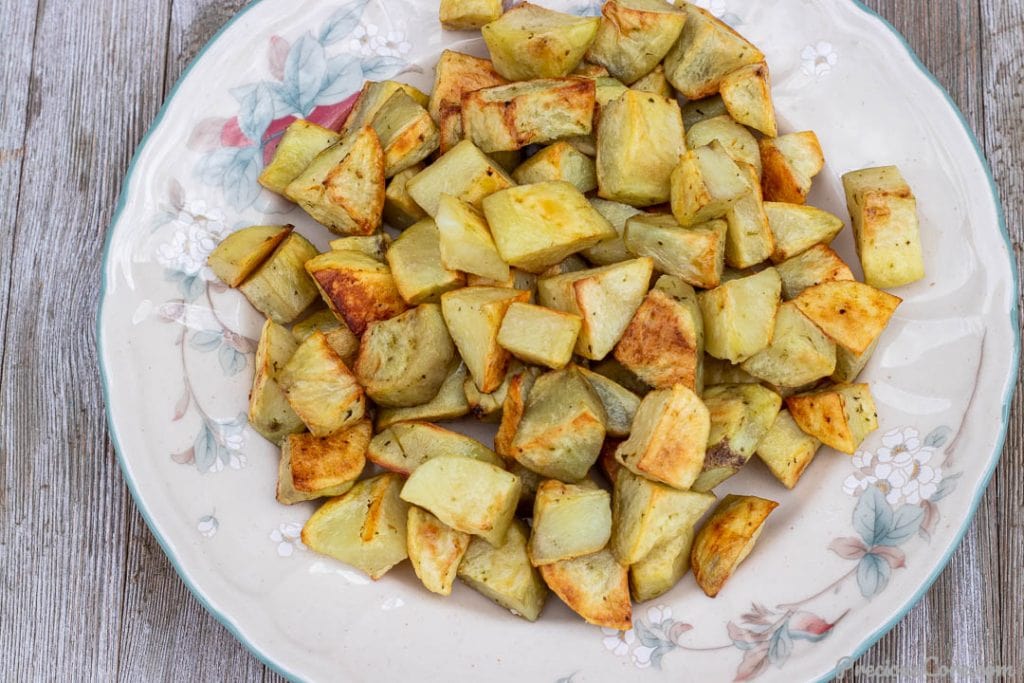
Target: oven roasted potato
x,y
407,133
404,446
375,246
512,409
695,254
301,142
668,437
705,184
749,239
605,297
365,527
315,467
790,163
466,15
358,288
454,75
786,450
812,267
270,414
530,41
664,343
717,371
799,353
559,161
620,404
738,142
696,111
613,249
400,209
320,388
539,335
243,251
569,520
505,574
416,266
796,228
726,539
594,586
840,416
466,242
634,36
473,316
463,172
449,403
488,407
280,288
435,550
747,95
739,316
372,99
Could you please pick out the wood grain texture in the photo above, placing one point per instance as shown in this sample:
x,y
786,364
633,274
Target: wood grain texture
x,y
87,592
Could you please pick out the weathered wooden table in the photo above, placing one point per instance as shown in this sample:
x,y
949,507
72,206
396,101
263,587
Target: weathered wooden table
x,y
87,593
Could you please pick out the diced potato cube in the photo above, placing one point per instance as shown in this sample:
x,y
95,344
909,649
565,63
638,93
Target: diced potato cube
x,y
707,51
664,343
738,142
505,574
449,404
464,172
620,404
694,254
796,228
301,142
488,407
588,70
400,209
415,261
403,361
569,520
812,267
359,289
404,446
466,242
749,240
435,550
570,264
789,164
406,131
375,246
668,437
646,514
562,427
739,316
885,226
536,226
560,161
456,74
474,316
245,250
466,15
850,364
365,527
512,410
787,450
320,388
634,36
539,335
269,411
852,313
726,539
372,99
509,117
466,494
343,187
741,414
667,562
606,298
639,144
594,586
655,82
280,288
798,354
747,95
315,467
517,279
705,184
840,416
717,371
613,249
530,41
696,111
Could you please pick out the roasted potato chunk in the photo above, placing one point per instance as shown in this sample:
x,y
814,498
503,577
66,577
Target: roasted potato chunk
x,y
707,51
668,438
512,410
407,133
539,335
605,297
466,15
474,316
536,226
365,527
840,416
400,209
668,561
718,371
280,288
375,246
696,111
415,261
569,520
404,361
301,142
885,226
613,249
639,144
320,388
559,161
469,495
705,185
798,354
739,316
852,314
464,172
594,586
655,82
634,36
786,450
372,99
466,242
562,427
812,267
517,279
456,74
245,250
343,187
357,288
620,404
510,117
530,41
315,467
790,163
404,446
747,95
749,239
449,404
738,142
269,411
726,539
694,254
741,414
505,574
617,372
435,550
796,228
488,407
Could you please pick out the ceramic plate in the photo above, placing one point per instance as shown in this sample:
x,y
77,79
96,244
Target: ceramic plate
x,y
842,559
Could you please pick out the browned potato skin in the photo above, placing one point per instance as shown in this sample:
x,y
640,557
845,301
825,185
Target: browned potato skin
x,y
840,416
325,464
357,296
780,181
721,543
512,413
568,578
658,348
456,74
851,313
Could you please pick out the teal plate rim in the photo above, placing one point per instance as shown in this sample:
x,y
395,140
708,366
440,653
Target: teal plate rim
x,y
226,621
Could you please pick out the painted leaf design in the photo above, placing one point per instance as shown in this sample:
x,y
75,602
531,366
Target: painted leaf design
x,y
938,437
905,523
277,53
848,548
753,663
895,557
171,312
929,521
780,646
206,449
256,111
873,573
231,361
182,405
342,22
872,518
185,457
382,66
192,287
946,487
205,340
344,77
808,626
205,137
304,72
239,181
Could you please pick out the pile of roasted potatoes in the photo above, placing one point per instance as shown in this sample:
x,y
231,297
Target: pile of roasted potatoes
x,y
602,246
